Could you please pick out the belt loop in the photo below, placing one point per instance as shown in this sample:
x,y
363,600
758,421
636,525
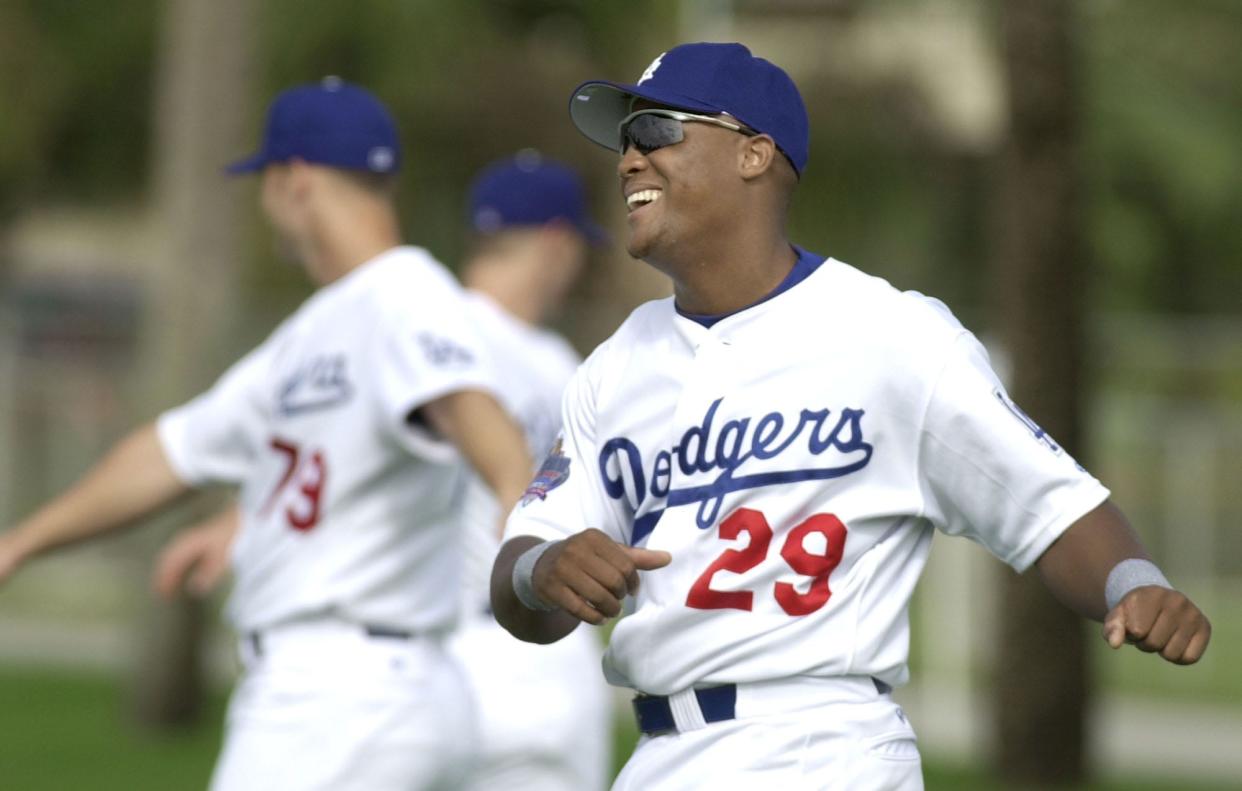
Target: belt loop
x,y
250,648
686,711
388,632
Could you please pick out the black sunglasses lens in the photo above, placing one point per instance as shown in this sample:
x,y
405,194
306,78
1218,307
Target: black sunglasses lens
x,y
648,133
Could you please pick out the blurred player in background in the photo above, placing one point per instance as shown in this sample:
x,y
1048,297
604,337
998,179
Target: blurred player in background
x,y
770,452
544,715
347,432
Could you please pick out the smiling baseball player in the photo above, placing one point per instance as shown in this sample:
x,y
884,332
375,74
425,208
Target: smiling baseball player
x,y
753,470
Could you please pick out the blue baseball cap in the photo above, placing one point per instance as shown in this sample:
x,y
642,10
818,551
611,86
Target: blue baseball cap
x,y
529,189
702,78
330,123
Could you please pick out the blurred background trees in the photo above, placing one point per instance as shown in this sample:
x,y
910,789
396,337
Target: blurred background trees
x,y
905,95
1040,306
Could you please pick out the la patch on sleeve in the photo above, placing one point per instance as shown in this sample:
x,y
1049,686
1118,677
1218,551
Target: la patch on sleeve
x,y
1041,436
444,352
552,473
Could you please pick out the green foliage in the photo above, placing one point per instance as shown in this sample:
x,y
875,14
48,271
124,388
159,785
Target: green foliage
x,y
473,80
1161,142
1161,114
24,121
880,197
76,85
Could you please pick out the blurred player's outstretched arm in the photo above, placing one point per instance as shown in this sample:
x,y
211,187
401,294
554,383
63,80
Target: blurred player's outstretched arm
x,y
1156,619
487,437
131,481
197,558
585,577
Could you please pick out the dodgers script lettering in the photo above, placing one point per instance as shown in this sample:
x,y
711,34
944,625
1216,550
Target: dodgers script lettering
x,y
744,452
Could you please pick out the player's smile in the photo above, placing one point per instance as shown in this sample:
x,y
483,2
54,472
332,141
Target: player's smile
x,y
641,190
641,197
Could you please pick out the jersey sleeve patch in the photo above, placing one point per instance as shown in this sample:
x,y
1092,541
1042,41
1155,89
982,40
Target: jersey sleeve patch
x,y
1038,433
444,352
552,473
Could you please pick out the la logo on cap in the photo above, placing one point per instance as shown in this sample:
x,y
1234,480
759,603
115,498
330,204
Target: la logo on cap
x,y
381,159
651,70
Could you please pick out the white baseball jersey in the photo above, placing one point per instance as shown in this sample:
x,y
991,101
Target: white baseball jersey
x,y
347,509
795,459
534,366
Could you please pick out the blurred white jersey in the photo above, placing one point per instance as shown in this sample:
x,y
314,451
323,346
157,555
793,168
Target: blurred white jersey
x,y
348,509
533,366
795,459
544,711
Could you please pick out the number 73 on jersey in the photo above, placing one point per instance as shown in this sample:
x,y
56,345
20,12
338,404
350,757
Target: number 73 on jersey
x,y
305,474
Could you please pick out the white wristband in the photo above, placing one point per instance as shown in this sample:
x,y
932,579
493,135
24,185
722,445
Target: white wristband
x,y
524,577
1128,575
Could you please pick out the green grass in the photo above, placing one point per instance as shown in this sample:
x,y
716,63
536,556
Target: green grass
x,y
62,730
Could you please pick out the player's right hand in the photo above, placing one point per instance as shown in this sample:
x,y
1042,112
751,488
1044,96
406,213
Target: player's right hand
x,y
588,574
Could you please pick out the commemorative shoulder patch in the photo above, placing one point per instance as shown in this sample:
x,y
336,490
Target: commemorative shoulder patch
x,y
1038,433
552,473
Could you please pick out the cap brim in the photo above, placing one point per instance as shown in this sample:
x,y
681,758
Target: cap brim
x,y
598,106
250,164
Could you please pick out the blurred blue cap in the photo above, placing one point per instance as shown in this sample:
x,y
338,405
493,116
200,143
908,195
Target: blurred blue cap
x,y
528,189
703,78
330,123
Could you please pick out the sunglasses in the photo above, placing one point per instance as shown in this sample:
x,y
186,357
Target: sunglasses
x,y
651,130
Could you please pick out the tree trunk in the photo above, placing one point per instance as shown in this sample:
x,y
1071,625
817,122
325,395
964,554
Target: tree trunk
x,y
202,108
1041,673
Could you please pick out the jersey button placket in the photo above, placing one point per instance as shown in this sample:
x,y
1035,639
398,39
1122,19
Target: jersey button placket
x,y
706,382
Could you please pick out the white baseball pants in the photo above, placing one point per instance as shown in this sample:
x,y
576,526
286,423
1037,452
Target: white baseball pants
x,y
795,735
545,711
323,706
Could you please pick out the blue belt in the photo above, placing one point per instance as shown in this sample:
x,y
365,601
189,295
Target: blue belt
x,y
655,714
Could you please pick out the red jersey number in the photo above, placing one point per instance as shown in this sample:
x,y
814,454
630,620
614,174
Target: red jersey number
x,y
702,595
817,565
308,474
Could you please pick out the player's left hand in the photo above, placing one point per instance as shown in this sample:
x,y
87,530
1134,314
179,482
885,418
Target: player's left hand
x,y
1159,620
197,558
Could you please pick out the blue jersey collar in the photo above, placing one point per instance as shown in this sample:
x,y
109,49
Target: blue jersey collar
x,y
807,263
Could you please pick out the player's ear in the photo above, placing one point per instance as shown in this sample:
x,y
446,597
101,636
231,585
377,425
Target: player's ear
x,y
298,178
567,249
756,155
